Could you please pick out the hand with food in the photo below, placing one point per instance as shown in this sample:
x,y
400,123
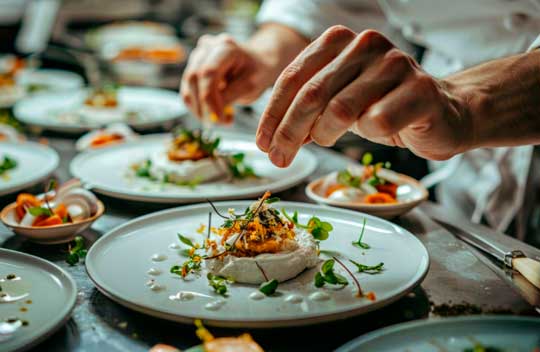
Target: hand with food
x,y
221,71
362,83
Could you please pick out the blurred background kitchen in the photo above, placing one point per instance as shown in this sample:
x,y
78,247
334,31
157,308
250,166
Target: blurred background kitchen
x,y
141,42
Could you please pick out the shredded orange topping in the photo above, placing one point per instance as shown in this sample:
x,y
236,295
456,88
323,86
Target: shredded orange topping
x,y
379,198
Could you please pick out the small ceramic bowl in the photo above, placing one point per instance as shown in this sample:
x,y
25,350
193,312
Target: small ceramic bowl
x,y
48,234
410,193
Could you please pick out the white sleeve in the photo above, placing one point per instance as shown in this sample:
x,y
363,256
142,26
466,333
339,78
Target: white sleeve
x,y
535,44
312,17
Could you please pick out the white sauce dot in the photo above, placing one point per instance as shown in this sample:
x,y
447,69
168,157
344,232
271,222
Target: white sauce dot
x,y
294,299
319,296
214,305
182,296
156,287
159,257
154,271
174,246
256,296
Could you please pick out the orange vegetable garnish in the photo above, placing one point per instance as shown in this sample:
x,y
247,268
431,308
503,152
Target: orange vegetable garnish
x,y
61,211
242,343
371,296
24,201
379,198
332,188
388,188
50,221
105,139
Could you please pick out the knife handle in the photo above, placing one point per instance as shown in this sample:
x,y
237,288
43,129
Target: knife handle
x,y
529,268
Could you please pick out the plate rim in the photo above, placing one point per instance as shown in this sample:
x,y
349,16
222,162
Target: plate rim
x,y
164,198
415,324
256,323
54,166
79,128
68,308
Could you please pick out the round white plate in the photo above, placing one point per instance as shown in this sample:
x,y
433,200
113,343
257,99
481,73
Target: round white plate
x,y
34,163
119,261
49,297
106,171
410,193
50,79
453,335
42,110
47,80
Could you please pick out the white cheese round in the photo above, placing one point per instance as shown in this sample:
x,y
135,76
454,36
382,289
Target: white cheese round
x,y
281,266
183,171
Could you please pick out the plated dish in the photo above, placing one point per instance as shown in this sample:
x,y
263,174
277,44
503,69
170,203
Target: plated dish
x,y
463,334
265,264
17,80
176,169
372,188
56,215
36,299
87,109
105,137
20,167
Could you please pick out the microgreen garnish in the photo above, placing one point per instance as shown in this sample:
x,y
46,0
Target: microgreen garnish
x,y
76,252
194,261
39,211
269,287
238,168
184,135
218,283
345,177
359,243
272,200
327,275
7,164
368,269
143,169
186,241
367,159
318,228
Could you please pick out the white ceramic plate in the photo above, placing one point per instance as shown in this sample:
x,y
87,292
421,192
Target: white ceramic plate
x,y
105,171
118,263
34,163
47,297
516,334
410,193
159,106
45,80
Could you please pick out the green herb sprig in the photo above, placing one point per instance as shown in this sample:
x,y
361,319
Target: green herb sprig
x,y
7,164
238,167
359,242
218,283
318,228
327,275
368,269
193,263
269,287
77,251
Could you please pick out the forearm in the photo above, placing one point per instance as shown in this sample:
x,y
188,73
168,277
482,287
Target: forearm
x,y
502,100
275,45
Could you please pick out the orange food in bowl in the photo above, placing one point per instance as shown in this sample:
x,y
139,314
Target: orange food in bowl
x,y
24,201
388,188
332,188
379,198
106,139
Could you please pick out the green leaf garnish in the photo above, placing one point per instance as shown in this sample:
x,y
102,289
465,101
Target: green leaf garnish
x,y
272,200
318,228
359,243
368,269
269,287
218,283
327,275
40,211
77,251
7,164
367,159
186,240
238,168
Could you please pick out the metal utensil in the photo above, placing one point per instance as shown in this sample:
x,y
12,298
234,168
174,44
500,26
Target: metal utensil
x,y
484,239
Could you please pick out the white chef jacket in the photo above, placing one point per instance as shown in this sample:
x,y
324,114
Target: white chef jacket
x,y
482,184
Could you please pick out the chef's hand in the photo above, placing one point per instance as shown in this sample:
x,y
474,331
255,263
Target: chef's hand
x,y
220,71
345,81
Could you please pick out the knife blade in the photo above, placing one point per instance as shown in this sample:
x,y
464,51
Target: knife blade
x,y
483,238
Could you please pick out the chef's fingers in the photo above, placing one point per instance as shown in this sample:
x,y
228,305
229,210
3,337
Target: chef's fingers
x,y
408,103
363,52
189,85
346,106
317,55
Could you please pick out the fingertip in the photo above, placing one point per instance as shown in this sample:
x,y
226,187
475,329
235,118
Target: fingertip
x,y
263,141
277,157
